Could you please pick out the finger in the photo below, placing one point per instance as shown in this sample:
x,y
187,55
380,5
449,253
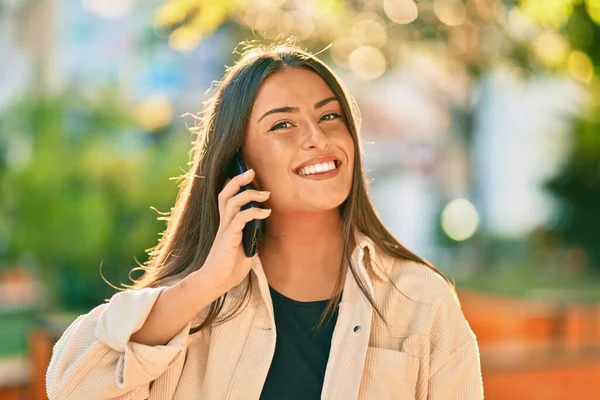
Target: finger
x,y
243,217
234,204
232,187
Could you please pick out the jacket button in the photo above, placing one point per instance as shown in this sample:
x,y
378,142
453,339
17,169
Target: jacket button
x,y
357,328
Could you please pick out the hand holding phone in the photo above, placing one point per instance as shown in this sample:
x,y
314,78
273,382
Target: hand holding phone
x,y
229,260
253,229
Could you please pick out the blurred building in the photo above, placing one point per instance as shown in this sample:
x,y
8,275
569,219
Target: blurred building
x,y
50,44
419,159
522,136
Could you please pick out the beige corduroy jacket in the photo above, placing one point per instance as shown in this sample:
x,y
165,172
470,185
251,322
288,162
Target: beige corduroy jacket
x,y
430,352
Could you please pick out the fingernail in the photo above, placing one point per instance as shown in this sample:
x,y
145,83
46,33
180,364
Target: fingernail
x,y
249,171
264,192
266,210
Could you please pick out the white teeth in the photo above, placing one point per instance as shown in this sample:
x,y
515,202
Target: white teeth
x,y
317,168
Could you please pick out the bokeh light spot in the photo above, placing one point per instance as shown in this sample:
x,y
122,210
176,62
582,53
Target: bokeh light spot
x,y
551,48
593,9
341,50
460,219
580,66
370,30
154,113
367,62
450,12
401,11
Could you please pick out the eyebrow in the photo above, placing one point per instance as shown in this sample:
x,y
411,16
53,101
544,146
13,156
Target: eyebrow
x,y
288,109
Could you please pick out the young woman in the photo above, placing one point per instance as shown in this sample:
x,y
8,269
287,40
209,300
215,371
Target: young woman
x,y
331,307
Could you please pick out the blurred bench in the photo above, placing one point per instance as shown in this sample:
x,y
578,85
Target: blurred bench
x,y
535,349
24,377
14,378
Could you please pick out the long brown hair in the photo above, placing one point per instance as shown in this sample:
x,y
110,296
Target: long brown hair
x,y
192,224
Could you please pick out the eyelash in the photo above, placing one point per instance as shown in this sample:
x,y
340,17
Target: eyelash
x,y
274,127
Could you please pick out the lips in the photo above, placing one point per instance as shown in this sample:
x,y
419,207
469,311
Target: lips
x,y
318,160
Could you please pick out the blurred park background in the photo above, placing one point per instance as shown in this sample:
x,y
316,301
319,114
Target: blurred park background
x,y
482,146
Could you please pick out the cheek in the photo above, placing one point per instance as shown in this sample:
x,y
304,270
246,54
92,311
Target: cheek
x,y
272,179
272,169
348,147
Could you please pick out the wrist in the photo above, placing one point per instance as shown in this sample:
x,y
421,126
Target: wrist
x,y
203,287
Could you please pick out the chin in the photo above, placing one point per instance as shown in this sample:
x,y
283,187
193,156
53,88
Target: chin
x,y
325,203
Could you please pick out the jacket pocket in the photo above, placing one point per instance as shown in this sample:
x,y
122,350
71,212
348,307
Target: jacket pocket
x,y
389,374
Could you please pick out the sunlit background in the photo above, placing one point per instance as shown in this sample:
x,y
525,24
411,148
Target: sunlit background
x,y
482,147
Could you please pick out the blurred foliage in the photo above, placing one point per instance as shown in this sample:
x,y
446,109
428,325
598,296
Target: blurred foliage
x,y
575,47
77,183
577,189
563,35
366,37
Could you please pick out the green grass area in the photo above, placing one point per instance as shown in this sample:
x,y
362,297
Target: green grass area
x,y
16,326
14,331
526,281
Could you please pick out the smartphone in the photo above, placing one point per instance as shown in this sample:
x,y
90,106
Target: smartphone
x,y
253,229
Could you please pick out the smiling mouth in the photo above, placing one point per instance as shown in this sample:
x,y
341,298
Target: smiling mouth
x,y
319,168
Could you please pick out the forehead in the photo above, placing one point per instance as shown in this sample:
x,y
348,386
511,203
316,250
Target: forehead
x,y
292,87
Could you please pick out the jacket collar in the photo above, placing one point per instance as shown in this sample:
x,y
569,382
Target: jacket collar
x,y
377,264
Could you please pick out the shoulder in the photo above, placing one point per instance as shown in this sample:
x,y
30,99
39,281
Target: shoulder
x,y
416,286
416,281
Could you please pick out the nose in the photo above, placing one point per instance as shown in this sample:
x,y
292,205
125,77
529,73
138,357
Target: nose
x,y
316,138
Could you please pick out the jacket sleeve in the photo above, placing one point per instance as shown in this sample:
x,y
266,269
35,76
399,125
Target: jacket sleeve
x,y
459,378
95,359
454,365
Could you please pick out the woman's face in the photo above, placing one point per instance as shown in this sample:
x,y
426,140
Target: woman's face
x,y
298,143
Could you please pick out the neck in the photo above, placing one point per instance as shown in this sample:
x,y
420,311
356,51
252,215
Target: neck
x,y
301,253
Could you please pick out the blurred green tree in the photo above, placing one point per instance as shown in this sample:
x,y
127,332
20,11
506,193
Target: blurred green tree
x,y
576,186
577,189
78,182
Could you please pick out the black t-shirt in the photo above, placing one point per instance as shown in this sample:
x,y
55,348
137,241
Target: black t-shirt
x,y
301,352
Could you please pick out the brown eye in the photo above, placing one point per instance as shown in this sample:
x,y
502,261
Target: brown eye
x,y
280,125
334,115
